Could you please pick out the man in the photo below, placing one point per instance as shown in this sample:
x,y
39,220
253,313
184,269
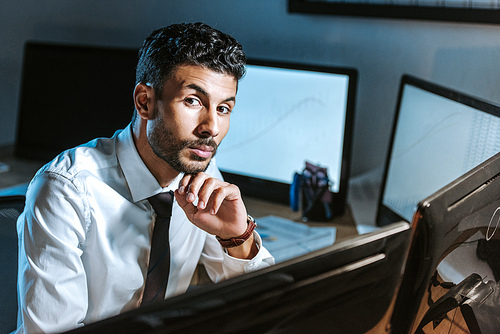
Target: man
x,y
85,234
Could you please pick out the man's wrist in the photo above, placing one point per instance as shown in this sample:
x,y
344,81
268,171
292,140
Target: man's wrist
x,y
237,241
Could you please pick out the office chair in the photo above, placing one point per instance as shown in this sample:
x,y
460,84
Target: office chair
x,y
10,208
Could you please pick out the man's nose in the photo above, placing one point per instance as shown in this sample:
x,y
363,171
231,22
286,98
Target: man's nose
x,y
209,123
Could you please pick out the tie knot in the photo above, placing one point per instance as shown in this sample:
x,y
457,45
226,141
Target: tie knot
x,y
162,203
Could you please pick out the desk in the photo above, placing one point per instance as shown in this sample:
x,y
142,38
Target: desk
x,y
346,228
20,170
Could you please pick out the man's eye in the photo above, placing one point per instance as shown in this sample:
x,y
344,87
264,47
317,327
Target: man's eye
x,y
224,110
192,101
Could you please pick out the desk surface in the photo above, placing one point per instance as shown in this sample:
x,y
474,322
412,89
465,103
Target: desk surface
x,y
345,226
20,171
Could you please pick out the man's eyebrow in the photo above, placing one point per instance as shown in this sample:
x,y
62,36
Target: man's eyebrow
x,y
204,92
198,89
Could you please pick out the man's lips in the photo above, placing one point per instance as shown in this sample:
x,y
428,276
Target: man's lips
x,y
202,151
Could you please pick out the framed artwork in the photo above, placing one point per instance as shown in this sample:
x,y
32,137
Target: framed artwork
x,y
475,11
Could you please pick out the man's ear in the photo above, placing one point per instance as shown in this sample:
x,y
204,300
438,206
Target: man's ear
x,y
144,97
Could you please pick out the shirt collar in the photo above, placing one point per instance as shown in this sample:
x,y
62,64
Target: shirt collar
x,y
142,184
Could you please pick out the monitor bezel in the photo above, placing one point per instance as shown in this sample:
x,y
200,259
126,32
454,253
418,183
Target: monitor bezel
x,y
366,270
436,230
384,214
278,192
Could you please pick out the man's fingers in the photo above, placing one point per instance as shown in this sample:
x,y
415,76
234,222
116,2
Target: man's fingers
x,y
211,204
188,208
217,197
202,188
184,184
192,184
209,189
207,193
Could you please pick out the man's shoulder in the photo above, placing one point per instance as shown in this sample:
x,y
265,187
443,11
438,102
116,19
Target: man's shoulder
x,y
99,153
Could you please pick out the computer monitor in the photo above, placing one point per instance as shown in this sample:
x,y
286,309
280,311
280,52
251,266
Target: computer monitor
x,y
438,135
452,272
70,95
287,114
344,288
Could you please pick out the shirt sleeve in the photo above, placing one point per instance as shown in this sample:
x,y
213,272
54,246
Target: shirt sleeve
x,y
220,265
51,279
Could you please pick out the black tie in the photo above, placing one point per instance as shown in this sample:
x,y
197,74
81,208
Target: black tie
x,y
159,259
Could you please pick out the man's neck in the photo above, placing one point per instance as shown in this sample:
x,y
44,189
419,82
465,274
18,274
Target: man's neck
x,y
161,170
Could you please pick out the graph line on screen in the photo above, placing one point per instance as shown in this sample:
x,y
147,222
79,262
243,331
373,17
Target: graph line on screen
x,y
439,126
251,134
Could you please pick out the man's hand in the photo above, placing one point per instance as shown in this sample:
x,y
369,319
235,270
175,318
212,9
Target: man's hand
x,y
220,209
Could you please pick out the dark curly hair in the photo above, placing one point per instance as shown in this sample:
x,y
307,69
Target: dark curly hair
x,y
191,44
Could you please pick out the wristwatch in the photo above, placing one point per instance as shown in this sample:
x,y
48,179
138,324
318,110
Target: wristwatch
x,y
236,241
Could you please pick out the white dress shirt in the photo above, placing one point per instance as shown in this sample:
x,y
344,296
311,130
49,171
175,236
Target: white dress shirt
x,y
84,238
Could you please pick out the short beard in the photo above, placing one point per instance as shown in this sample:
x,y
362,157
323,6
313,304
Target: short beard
x,y
168,148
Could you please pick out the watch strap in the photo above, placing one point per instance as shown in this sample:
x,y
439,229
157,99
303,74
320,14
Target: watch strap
x,y
236,241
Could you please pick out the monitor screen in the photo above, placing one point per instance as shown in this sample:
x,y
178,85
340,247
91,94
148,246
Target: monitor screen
x,y
439,134
70,95
287,114
331,290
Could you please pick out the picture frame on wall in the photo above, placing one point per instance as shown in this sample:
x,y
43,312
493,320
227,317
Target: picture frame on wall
x,y
473,11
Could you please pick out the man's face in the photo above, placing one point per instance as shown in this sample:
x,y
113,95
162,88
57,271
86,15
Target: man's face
x,y
192,117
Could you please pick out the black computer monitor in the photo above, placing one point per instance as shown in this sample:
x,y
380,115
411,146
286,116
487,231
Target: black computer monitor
x,y
344,288
452,272
438,135
70,95
287,114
